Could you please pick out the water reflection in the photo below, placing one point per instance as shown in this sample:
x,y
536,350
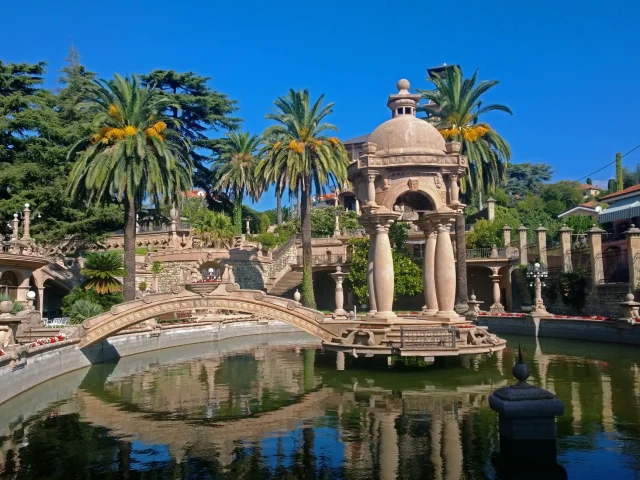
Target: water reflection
x,y
242,409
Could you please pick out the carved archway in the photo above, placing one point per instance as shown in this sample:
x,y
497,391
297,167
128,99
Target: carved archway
x,y
419,185
227,296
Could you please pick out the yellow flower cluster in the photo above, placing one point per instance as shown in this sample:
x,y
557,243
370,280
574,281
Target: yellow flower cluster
x,y
472,134
449,132
276,145
114,111
318,143
296,146
107,134
130,130
160,126
334,140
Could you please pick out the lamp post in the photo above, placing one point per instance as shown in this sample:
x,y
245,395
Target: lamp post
x,y
536,272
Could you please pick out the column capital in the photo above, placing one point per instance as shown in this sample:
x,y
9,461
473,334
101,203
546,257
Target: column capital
x,y
506,228
633,231
372,174
522,228
595,231
565,229
541,229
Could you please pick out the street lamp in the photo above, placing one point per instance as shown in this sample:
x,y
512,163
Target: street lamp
x,y
536,272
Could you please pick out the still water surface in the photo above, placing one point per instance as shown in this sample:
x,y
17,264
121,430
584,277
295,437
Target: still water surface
x,y
260,408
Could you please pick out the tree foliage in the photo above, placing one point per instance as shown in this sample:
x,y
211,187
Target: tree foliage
x,y
102,270
527,178
408,274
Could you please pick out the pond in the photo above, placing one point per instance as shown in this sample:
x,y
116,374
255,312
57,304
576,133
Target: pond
x,y
275,407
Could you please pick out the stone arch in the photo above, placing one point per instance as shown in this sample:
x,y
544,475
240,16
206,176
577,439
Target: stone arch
x,y
399,187
9,283
225,296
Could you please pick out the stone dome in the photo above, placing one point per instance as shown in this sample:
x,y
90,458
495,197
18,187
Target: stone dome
x,y
408,135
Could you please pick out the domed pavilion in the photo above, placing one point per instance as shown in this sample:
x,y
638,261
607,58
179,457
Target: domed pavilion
x,y
406,165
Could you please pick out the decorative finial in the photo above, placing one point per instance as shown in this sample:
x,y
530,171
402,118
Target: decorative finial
x,y
403,85
520,370
338,269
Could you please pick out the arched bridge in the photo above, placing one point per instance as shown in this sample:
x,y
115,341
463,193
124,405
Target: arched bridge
x,y
223,296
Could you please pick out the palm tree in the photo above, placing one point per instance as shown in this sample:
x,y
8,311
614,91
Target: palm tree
x,y
303,159
455,108
136,154
234,171
102,270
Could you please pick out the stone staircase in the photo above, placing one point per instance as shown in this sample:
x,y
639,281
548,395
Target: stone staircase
x,y
286,286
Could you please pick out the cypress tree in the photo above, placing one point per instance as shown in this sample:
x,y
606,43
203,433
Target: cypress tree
x,y
619,173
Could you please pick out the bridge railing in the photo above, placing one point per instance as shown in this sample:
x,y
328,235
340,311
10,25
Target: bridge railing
x,y
444,337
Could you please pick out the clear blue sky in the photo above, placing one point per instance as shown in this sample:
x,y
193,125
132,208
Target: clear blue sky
x,y
570,70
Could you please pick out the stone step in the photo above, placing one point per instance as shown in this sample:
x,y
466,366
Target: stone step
x,y
287,285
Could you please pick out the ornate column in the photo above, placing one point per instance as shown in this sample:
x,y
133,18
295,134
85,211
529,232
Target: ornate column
x,y
247,229
506,235
373,305
383,275
338,276
445,269
496,307
565,248
26,222
14,227
595,242
491,208
371,188
522,237
428,268
633,251
336,226
542,244
357,206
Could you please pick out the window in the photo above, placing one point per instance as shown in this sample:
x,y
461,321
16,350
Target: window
x,y
399,111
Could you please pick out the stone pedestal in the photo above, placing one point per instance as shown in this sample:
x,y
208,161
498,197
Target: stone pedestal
x,y
629,310
527,420
339,313
473,307
496,307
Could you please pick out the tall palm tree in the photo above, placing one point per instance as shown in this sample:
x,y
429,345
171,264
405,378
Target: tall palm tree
x,y
136,154
234,171
304,159
102,270
455,107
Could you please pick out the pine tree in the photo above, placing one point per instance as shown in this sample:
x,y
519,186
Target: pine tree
x,y
201,111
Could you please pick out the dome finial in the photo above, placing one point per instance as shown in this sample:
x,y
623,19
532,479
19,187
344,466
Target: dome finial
x,y
403,85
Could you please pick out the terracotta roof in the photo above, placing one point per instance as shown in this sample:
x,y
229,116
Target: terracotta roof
x,y
586,186
632,189
591,204
194,193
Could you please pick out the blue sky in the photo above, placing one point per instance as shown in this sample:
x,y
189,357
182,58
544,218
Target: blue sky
x,y
567,68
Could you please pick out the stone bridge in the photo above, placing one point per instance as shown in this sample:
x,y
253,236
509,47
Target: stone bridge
x,y
204,297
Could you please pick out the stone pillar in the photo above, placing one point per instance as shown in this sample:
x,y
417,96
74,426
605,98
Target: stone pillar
x,y
357,206
445,270
436,446
338,276
565,248
41,299
491,208
522,236
542,244
633,251
14,227
371,284
506,235
595,243
496,307
454,189
383,275
428,270
247,229
26,222
340,361
452,448
371,188
336,226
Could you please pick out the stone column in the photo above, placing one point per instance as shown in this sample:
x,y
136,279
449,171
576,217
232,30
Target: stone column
x,y
14,227
436,445
445,270
371,284
633,251
496,307
595,243
247,229
389,452
565,248
452,448
542,244
506,234
371,188
357,206
428,270
338,276
41,299
491,208
26,222
454,189
340,361
383,275
336,226
522,236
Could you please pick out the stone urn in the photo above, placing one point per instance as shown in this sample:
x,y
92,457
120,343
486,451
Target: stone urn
x,y
296,296
8,324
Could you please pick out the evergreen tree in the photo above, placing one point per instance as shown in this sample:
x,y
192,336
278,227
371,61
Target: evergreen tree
x,y
200,110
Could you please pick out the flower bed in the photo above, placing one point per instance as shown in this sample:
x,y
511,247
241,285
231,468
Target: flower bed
x,y
47,340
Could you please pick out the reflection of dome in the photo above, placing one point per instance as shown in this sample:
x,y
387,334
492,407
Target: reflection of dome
x,y
406,134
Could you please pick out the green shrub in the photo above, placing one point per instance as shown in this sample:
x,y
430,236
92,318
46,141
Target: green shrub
x,y
268,240
573,288
83,309
264,223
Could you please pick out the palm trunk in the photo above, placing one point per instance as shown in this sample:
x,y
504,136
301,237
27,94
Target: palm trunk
x,y
130,249
237,215
279,204
461,266
308,298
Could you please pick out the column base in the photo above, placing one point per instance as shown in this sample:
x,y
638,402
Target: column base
x,y
388,317
496,308
340,315
449,317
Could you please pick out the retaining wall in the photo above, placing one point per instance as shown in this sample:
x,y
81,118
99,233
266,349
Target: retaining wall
x,y
576,329
50,361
